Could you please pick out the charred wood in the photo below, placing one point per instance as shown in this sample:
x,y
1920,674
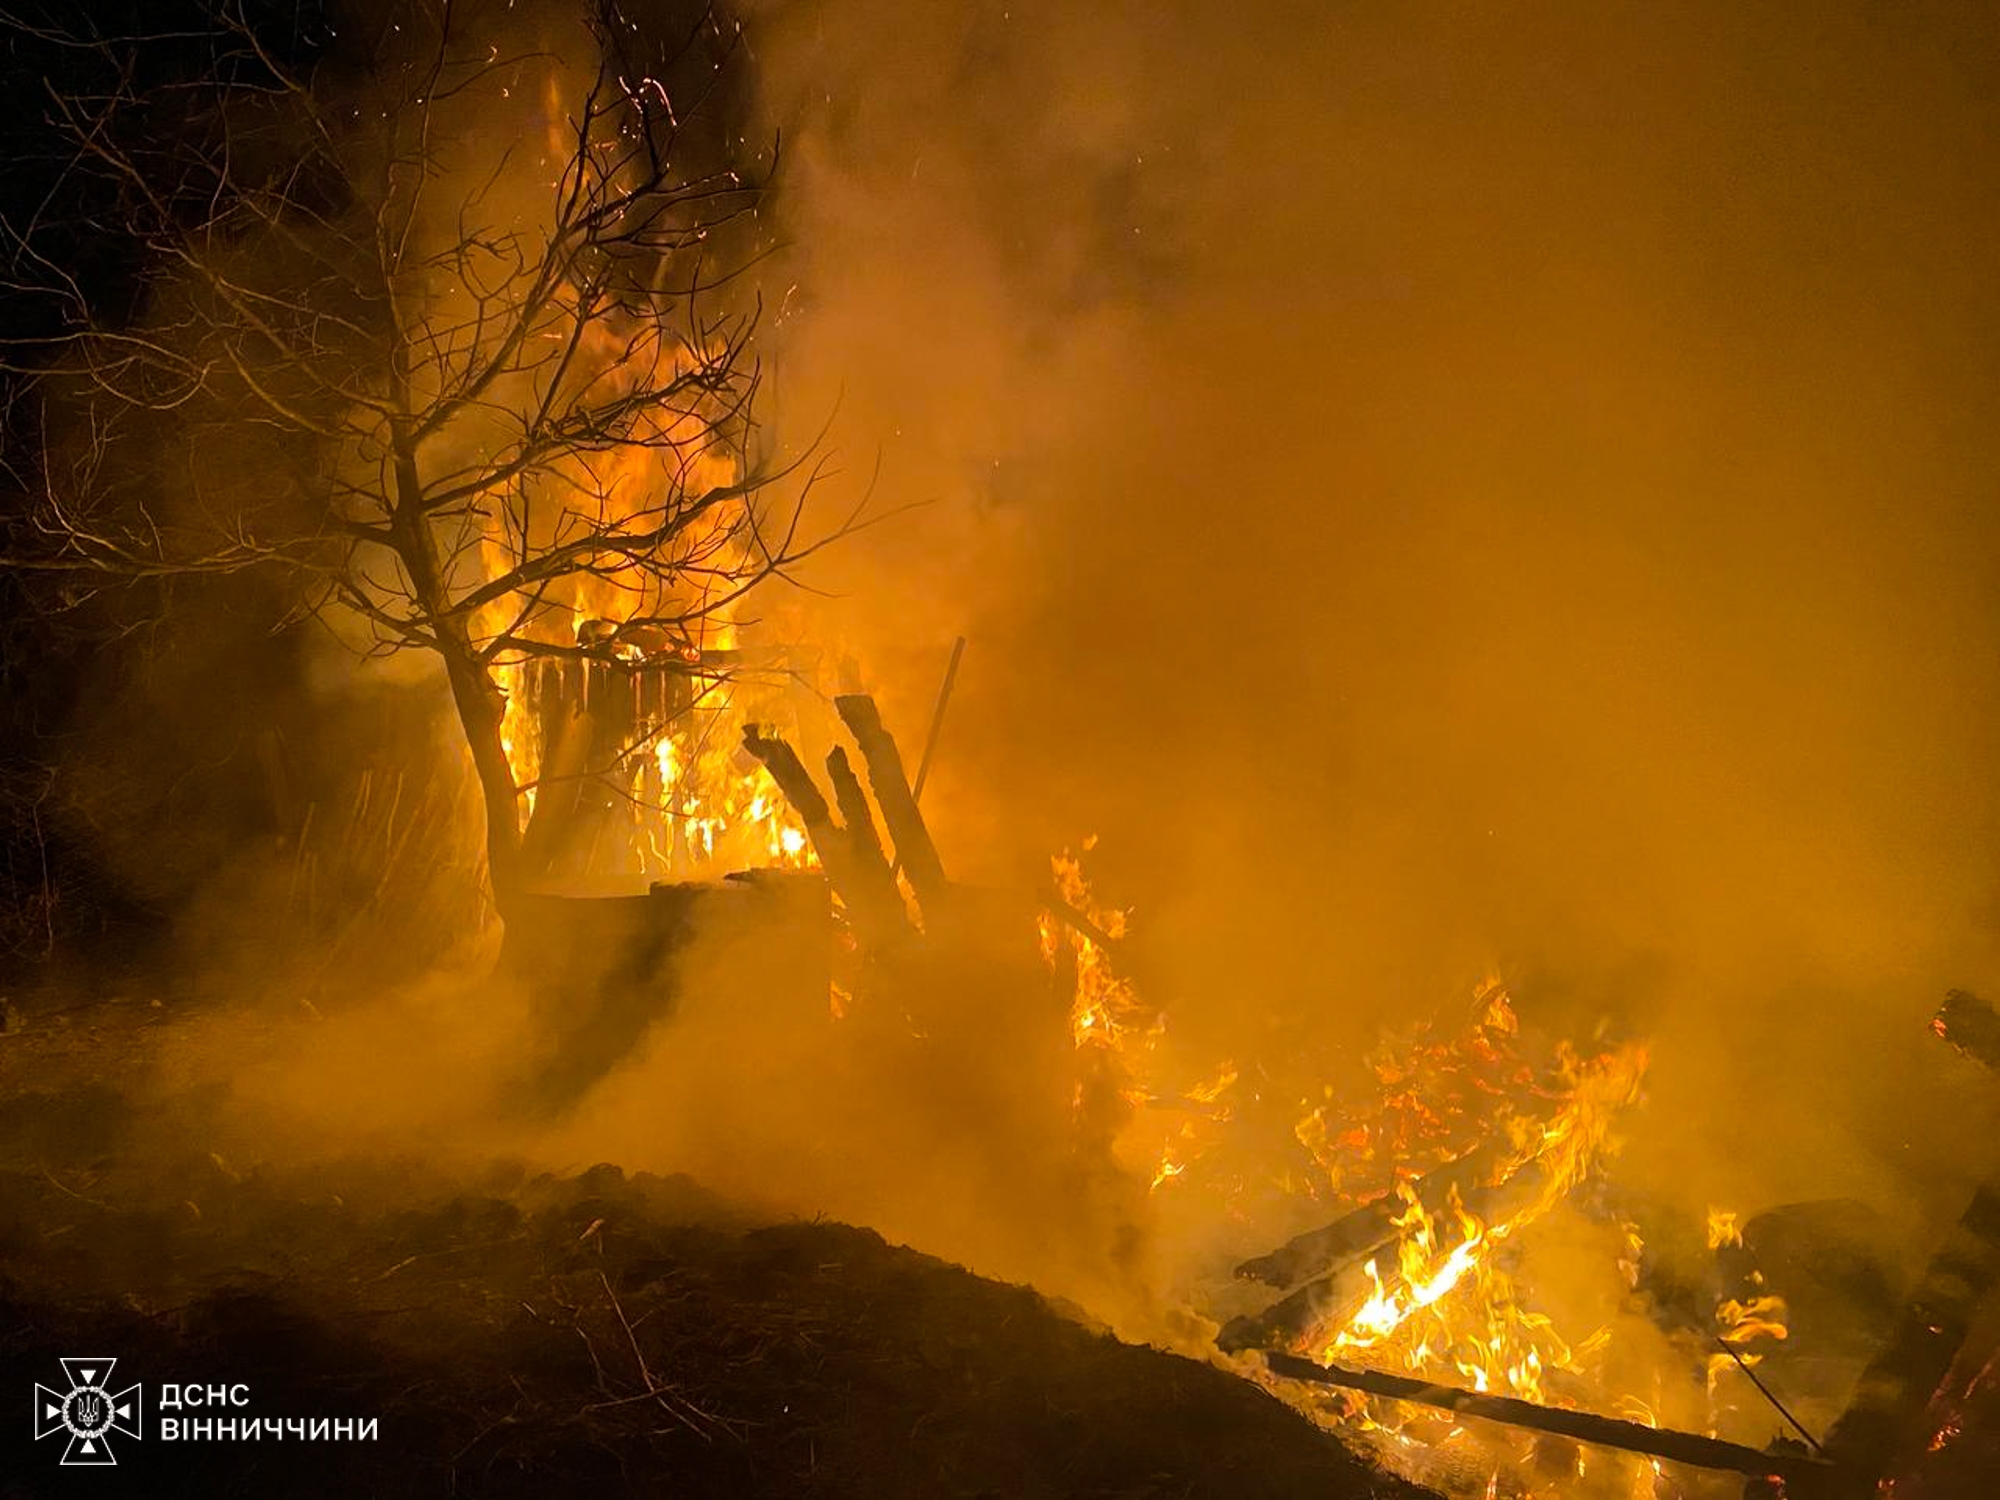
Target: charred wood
x,y
1971,1026
868,868
1885,1421
1806,1475
1080,922
866,890
794,780
1288,1320
854,810
1348,1238
915,852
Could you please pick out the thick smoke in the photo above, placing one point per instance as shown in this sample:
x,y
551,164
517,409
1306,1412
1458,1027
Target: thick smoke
x,y
1436,493
1447,490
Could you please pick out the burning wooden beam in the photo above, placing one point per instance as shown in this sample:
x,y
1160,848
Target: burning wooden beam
x,y
1344,1287
1362,1232
796,782
1806,1476
1291,1318
850,853
830,841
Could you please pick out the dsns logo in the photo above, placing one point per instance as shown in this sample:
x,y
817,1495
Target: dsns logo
x,y
87,1411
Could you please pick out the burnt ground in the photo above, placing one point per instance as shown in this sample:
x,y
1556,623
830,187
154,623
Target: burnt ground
x,y
532,1335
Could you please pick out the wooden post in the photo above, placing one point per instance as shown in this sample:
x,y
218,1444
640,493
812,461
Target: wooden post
x,y
914,850
879,920
874,885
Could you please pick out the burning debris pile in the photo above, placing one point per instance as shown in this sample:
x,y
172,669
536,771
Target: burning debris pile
x,y
1415,1276
1420,1307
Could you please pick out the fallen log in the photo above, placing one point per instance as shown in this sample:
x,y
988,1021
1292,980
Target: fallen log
x,y
1807,1476
1361,1232
915,852
1288,1320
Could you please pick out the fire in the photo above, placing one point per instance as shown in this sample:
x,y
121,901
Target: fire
x,y
1104,1006
1723,1229
1436,1105
1447,1307
1118,1038
1474,1133
693,807
1740,1323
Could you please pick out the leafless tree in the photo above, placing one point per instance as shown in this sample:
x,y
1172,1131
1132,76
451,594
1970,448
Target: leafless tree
x,y
453,345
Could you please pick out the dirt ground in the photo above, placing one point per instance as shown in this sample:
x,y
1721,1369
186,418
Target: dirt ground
x,y
531,1335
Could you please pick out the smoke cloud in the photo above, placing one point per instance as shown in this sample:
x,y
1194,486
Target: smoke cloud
x,y
1441,491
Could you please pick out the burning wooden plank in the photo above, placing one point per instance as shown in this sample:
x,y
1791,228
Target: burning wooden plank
x,y
843,860
851,851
